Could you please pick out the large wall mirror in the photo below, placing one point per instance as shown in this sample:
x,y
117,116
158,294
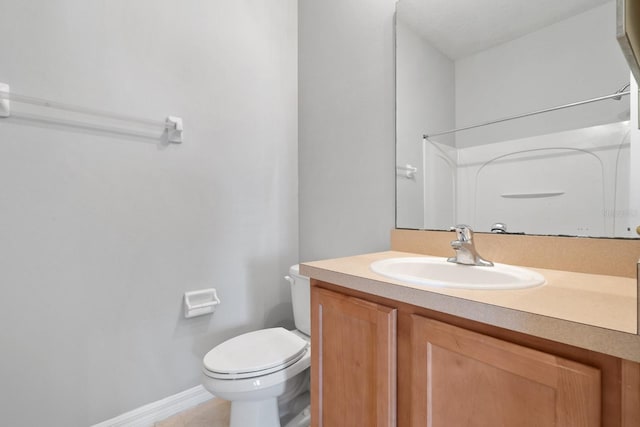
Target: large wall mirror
x,y
515,112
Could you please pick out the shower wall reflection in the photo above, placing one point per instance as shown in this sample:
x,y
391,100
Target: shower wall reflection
x,y
565,172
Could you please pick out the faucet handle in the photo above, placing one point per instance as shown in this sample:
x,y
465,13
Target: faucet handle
x,y
464,232
499,227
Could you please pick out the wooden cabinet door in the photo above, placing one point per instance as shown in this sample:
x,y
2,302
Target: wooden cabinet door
x,y
462,378
353,362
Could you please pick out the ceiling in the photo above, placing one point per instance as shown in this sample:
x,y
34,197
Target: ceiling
x,y
459,28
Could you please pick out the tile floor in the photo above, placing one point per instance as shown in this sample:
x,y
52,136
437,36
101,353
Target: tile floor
x,y
212,413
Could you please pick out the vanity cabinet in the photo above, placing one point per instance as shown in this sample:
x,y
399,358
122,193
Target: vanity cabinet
x,y
353,361
379,363
462,378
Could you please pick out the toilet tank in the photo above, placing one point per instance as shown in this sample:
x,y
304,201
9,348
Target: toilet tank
x,y
300,298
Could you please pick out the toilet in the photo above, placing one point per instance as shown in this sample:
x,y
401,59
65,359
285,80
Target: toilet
x,y
265,373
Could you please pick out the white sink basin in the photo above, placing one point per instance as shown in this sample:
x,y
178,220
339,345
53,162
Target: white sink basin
x,y
439,272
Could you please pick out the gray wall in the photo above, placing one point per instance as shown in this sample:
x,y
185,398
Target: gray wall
x,y
100,236
571,60
346,126
425,102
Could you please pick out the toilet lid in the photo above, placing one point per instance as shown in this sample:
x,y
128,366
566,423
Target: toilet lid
x,y
253,353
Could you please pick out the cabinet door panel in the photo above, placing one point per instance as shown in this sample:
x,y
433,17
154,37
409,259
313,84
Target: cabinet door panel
x,y
353,367
461,378
630,394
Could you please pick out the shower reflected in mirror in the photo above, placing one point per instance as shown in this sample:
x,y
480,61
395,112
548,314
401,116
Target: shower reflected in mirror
x,y
517,113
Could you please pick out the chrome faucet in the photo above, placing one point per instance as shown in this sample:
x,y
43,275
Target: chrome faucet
x,y
465,250
499,227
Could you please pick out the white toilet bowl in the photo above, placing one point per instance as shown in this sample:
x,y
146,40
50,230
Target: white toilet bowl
x,y
253,370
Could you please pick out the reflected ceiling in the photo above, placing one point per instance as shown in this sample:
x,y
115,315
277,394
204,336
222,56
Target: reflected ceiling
x,y
460,28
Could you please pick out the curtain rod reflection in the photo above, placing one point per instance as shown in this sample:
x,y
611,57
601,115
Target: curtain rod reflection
x,y
616,96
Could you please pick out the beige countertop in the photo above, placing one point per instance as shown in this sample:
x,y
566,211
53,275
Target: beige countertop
x,y
592,311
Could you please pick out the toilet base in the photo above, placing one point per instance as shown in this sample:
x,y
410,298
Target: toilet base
x,y
303,419
255,413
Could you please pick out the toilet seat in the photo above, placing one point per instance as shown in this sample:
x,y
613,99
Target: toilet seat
x,y
255,354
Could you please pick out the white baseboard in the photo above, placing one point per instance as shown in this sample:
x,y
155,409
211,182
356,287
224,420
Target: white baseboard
x,y
147,415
